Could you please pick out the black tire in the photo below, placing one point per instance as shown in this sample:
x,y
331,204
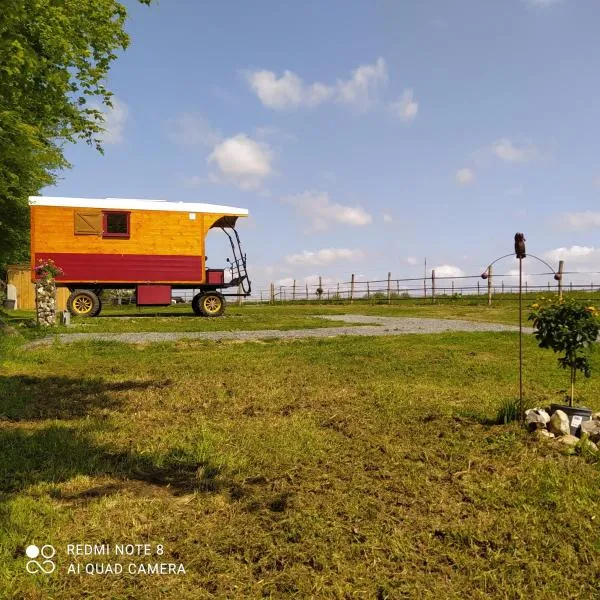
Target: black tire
x,y
84,303
208,304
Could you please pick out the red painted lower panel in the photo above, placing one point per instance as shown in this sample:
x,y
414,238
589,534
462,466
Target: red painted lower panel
x,y
215,276
153,295
132,268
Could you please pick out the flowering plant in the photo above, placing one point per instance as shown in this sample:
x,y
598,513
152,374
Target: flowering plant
x,y
46,269
569,327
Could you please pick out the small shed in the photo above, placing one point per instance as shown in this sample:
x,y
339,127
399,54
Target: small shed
x,y
20,277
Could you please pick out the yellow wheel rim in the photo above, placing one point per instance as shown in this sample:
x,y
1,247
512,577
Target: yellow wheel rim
x,y
212,304
82,304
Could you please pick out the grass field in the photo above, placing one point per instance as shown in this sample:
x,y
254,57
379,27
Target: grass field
x,y
335,468
298,315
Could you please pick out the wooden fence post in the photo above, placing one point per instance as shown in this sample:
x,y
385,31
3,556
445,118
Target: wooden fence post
x,y
294,291
307,291
368,292
561,264
489,282
453,287
239,302
478,290
352,289
389,291
433,286
272,300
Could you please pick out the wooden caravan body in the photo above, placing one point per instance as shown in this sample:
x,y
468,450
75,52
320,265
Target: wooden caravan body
x,y
122,243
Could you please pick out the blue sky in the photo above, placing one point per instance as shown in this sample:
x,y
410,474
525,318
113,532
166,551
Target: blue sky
x,y
363,136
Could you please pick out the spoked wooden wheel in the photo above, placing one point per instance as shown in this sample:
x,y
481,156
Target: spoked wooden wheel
x,y
83,303
209,304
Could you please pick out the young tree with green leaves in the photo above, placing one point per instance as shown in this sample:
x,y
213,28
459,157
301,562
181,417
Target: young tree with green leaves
x,y
54,58
568,327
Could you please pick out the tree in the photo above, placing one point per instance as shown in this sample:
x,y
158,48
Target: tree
x,y
568,327
54,58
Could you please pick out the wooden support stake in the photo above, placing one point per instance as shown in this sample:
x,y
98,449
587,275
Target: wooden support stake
x,y
389,289
489,282
294,291
561,264
368,292
307,291
272,300
352,289
433,286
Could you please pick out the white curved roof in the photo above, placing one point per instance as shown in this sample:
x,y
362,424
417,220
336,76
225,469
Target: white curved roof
x,y
136,204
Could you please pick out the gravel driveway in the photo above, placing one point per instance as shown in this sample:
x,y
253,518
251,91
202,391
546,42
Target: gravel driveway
x,y
374,326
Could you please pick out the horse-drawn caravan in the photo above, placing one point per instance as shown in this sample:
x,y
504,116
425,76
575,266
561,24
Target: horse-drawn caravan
x,y
150,246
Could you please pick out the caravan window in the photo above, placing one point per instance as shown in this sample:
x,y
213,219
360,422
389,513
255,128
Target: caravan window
x,y
116,224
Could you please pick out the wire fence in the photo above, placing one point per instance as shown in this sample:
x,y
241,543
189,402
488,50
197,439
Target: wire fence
x,y
432,288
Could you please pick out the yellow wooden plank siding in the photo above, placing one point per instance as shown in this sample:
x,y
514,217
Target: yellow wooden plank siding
x,y
20,277
151,232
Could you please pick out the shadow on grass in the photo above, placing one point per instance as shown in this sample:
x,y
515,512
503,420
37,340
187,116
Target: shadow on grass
x,y
136,315
58,453
23,397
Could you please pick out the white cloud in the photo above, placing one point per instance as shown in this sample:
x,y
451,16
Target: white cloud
x,y
360,89
317,207
387,218
243,161
193,130
289,91
508,151
113,121
582,220
465,176
405,108
575,254
325,256
448,271
411,260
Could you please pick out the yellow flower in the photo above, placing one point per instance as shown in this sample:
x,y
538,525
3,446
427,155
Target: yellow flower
x,y
536,305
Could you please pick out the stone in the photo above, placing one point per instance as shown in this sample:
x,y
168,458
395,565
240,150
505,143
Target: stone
x,y
568,440
542,434
592,429
596,416
559,423
536,418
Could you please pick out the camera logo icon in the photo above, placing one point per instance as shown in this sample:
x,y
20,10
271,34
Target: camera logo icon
x,y
45,565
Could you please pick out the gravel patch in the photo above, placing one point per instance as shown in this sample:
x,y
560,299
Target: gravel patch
x,y
372,326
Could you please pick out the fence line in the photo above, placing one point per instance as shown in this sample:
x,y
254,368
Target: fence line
x,y
433,288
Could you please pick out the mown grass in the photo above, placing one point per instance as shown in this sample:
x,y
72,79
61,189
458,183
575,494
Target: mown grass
x,y
335,468
288,315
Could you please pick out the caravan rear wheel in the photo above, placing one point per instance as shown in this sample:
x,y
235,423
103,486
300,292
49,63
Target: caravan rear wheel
x,y
84,303
209,304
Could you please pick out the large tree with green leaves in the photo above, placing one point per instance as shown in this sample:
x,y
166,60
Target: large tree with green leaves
x,y
54,59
